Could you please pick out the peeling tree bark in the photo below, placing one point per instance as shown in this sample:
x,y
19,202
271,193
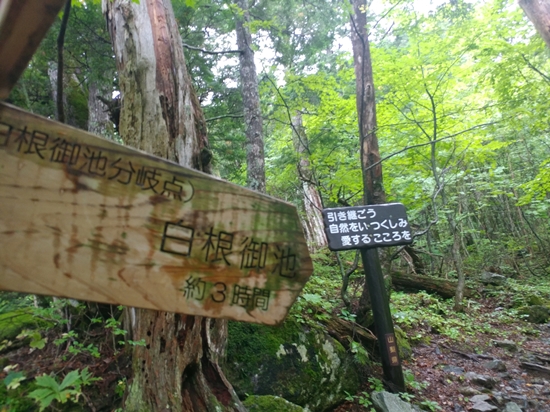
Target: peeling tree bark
x,y
160,111
312,200
177,369
255,158
538,11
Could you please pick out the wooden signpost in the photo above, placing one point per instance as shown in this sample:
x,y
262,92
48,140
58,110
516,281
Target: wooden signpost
x,y
367,228
86,218
23,24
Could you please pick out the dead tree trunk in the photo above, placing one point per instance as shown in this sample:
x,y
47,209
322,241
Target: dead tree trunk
x,y
443,287
177,368
313,205
255,159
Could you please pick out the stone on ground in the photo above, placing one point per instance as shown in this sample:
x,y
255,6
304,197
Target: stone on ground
x,y
270,403
389,402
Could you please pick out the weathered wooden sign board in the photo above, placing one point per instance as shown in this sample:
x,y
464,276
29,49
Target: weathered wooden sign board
x,y
367,226
84,217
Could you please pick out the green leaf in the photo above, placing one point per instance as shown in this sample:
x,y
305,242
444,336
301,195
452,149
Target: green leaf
x,y
14,379
86,377
43,396
71,378
313,298
37,341
47,381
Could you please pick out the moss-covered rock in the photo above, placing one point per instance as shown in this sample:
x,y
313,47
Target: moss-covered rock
x,y
405,351
535,313
298,363
12,323
270,403
535,300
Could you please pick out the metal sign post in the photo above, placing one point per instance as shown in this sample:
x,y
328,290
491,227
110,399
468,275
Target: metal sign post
x,y
366,228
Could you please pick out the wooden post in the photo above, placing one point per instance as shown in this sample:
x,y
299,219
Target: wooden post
x,y
367,228
389,353
23,24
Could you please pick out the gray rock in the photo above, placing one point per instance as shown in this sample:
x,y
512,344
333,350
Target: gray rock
x,y
486,381
270,403
453,369
501,398
535,406
495,365
389,402
517,383
468,391
506,344
490,278
520,400
304,366
483,407
480,398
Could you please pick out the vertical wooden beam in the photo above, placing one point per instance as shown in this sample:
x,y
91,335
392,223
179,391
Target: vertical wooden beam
x,y
391,364
23,25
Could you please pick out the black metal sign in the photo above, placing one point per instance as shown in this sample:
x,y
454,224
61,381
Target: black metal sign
x,y
367,226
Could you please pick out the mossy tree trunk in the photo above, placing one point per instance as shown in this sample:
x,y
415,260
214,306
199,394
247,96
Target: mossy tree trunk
x,y
177,369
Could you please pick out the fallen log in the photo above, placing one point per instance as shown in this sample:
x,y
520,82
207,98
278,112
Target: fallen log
x,y
344,331
443,287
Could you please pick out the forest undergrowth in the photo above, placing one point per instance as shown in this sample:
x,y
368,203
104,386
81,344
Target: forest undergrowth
x,y
58,354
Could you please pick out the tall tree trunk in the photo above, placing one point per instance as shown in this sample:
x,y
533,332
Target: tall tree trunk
x,y
312,199
52,75
538,11
177,369
373,188
366,106
439,180
251,101
60,66
98,112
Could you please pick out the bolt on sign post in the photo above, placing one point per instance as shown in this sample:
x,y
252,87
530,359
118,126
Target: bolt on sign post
x,y
367,228
86,218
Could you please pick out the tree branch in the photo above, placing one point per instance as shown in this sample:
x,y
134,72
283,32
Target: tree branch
x,y
224,116
414,146
187,46
545,77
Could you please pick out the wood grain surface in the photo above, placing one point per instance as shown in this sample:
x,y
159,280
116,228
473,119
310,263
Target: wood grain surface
x,y
86,218
23,25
